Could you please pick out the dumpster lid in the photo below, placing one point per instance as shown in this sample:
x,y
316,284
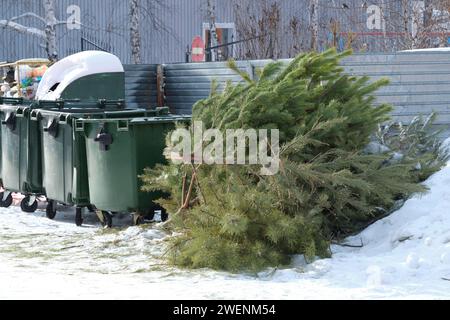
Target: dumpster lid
x,y
64,72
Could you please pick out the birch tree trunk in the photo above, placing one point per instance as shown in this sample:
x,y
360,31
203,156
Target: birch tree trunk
x,y
48,34
135,34
50,30
211,13
427,21
314,23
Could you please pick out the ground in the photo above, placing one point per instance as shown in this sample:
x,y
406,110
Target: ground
x,y
404,256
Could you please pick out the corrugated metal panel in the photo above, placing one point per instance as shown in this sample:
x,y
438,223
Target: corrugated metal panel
x,y
420,82
140,86
186,84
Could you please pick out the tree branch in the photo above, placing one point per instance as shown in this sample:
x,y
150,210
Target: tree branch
x,y
22,29
28,14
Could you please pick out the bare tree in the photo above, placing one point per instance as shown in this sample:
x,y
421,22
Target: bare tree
x,y
50,30
144,11
214,39
420,24
265,33
135,34
314,23
47,33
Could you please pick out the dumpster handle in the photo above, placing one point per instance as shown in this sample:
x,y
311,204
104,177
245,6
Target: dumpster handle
x,y
13,101
20,112
79,126
51,104
122,125
105,139
103,103
35,115
52,128
63,118
10,121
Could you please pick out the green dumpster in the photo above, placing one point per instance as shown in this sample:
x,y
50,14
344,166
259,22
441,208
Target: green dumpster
x,y
20,156
64,172
65,177
118,150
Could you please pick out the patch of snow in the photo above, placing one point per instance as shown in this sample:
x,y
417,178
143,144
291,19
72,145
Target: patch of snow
x,y
376,148
445,49
404,256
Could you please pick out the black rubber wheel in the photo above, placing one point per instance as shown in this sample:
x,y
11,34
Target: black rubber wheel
x,y
164,215
107,219
150,215
6,203
50,211
78,217
138,219
27,207
157,207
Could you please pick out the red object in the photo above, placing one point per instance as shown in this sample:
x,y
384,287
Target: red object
x,y
198,50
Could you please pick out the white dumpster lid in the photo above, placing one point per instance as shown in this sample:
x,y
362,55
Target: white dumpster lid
x,y
74,67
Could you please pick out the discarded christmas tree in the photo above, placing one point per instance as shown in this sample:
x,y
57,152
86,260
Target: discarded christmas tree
x,y
230,217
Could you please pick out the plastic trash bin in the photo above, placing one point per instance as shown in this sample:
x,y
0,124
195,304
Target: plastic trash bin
x,y
20,156
65,177
118,150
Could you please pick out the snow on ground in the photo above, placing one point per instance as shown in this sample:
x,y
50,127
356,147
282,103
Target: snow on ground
x,y
405,256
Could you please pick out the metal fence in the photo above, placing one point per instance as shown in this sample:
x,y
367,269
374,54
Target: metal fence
x,y
185,84
419,81
141,85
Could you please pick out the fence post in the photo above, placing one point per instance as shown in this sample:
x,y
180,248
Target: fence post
x,y
160,83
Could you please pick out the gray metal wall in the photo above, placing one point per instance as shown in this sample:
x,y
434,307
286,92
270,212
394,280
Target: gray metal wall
x,y
140,86
106,21
185,84
420,82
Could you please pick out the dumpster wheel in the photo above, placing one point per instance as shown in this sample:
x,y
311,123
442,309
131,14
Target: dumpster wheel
x,y
108,219
164,215
50,211
6,202
26,206
78,217
138,219
105,218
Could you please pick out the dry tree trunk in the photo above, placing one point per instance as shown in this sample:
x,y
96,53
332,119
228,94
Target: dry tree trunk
x,y
314,23
135,34
50,30
48,34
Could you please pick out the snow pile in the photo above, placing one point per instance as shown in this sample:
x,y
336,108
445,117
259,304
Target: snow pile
x,y
408,251
406,255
